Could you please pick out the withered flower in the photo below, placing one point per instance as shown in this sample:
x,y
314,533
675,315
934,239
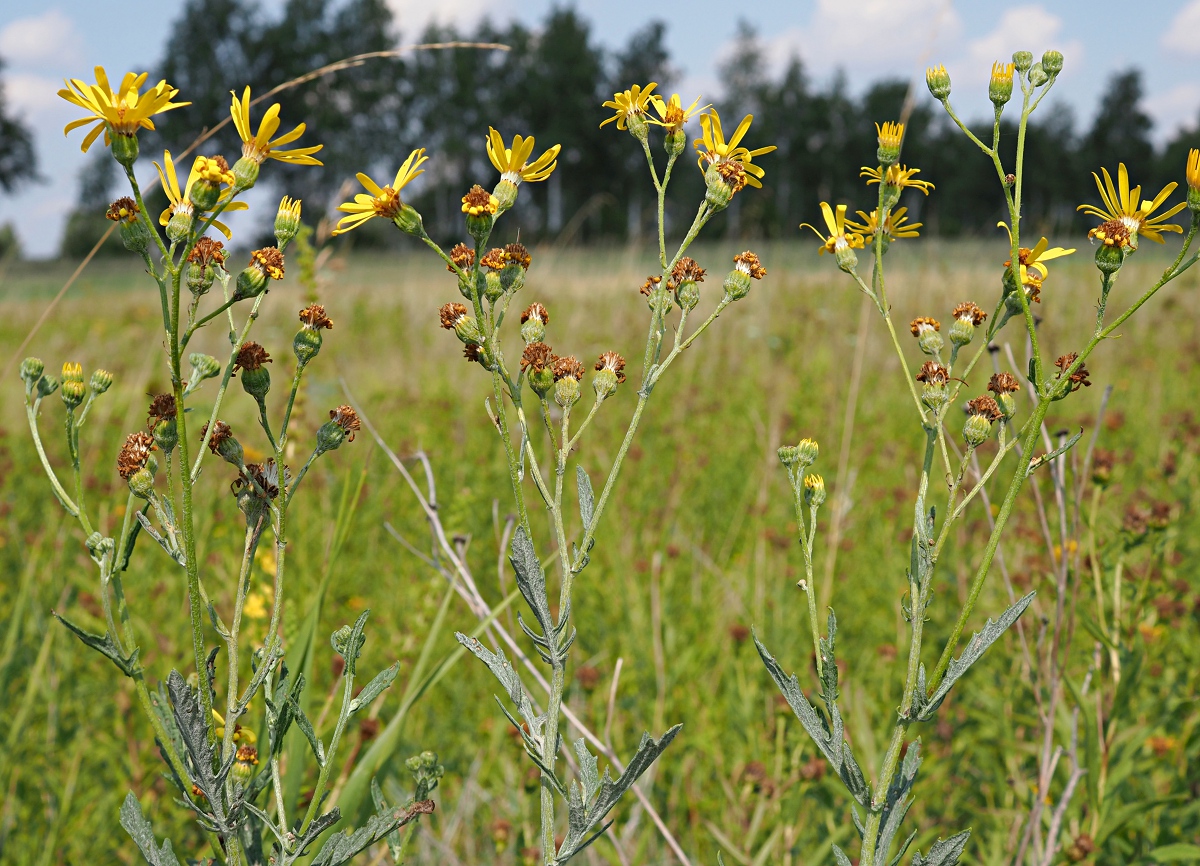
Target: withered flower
x,y
346,418
207,252
535,311
134,454
162,408
567,366
494,260
220,434
933,373
748,263
265,475
685,270
251,356
123,209
269,260
463,256
923,323
518,255
650,284
537,357
985,406
1078,379
614,363
970,312
451,313
1003,383
314,318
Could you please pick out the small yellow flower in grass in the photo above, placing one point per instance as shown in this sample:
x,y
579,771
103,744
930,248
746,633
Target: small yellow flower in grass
x,y
513,162
630,107
383,201
179,198
117,112
721,154
258,146
672,114
1126,206
895,226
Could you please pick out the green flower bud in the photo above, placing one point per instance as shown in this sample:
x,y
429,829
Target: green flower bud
x,y
687,295
244,765
541,381
506,195
1007,404
204,194
1022,60
329,437
256,382
341,642
46,386
409,221
967,317
203,367
976,430
610,372
222,443
180,226
845,258
937,79
493,290
141,483
307,342
101,381
736,285
533,323
31,371
287,221
1000,86
1109,258
799,456
73,390
934,378
125,149
134,235
675,142
166,435
245,174
251,283
1052,62
814,490
718,193
1037,75
890,136
566,391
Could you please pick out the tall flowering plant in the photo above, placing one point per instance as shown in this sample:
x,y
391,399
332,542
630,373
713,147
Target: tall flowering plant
x,y
221,727
1000,434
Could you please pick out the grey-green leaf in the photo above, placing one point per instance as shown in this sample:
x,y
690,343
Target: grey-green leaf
x,y
587,499
106,646
531,580
139,829
945,852
374,688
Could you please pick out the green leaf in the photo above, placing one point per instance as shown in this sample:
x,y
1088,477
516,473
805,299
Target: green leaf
x,y
945,852
587,499
531,580
106,646
139,829
342,847
1093,628
1180,852
374,688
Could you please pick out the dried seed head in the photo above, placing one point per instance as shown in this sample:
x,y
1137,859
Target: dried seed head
x,y
921,324
537,312
346,418
970,312
650,285
494,260
933,373
685,270
250,357
269,260
463,256
1078,379
1003,383
537,357
162,408
314,319
517,254
135,454
207,252
985,406
450,314
568,366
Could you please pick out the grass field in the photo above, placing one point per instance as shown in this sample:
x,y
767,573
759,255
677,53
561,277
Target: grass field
x,y
699,547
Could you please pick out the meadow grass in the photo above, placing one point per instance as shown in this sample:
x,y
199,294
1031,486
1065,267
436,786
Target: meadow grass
x,y
704,551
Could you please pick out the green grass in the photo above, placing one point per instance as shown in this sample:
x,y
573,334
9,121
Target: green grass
x,y
698,546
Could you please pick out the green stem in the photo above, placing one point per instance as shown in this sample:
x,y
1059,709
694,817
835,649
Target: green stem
x,y
56,486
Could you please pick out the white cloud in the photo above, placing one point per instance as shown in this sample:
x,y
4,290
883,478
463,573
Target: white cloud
x,y
36,97
1176,108
1181,35
412,16
49,40
1029,28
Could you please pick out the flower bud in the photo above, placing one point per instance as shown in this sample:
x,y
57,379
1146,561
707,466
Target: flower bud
x,y
814,490
409,221
342,424
46,386
1022,60
800,456
1037,75
141,483
982,411
125,149
938,82
256,378
687,295
204,194
73,390
566,392
967,317
505,194
675,142
845,258
124,212
718,193
31,371
203,367
890,136
166,435
180,226
287,221
101,380
1000,86
1109,258
1052,62
245,174
244,764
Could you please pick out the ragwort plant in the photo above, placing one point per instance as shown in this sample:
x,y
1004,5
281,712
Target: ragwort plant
x,y
223,742
960,476
533,401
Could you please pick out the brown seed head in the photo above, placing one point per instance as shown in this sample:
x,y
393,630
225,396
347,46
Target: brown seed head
x,y
518,255
733,173
1137,521
649,285
314,318
451,313
536,357
471,353
685,269
933,373
968,311
922,323
220,433
134,453
269,260
1113,233
613,362
535,311
265,475
124,208
1003,383
567,366
494,260
207,252
463,256
251,357
985,406
162,408
346,418
1078,379
748,263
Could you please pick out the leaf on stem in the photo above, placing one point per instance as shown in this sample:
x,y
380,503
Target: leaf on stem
x,y
587,499
374,688
898,802
499,665
974,650
105,645
139,829
343,847
945,852
193,730
531,580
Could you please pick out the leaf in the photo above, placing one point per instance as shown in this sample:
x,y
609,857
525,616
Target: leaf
x,y
903,848
394,842
342,847
374,688
974,650
898,802
1057,452
839,857
499,665
587,499
167,544
531,580
1179,852
829,671
106,646
139,829
193,730
589,773
306,728
945,852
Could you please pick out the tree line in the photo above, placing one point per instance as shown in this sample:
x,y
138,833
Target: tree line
x,y
550,83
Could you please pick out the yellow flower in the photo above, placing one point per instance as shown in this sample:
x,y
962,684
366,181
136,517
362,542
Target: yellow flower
x,y
715,150
629,104
672,113
178,197
122,111
1193,169
890,135
513,162
259,146
214,170
897,176
893,227
1126,206
1035,258
382,201
839,238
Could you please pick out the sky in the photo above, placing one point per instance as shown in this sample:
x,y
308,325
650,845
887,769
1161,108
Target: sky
x,y
868,39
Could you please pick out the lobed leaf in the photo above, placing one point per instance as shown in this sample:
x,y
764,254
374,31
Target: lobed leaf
x,y
945,852
106,646
136,825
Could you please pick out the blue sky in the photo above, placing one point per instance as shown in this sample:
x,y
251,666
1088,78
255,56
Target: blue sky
x,y
867,39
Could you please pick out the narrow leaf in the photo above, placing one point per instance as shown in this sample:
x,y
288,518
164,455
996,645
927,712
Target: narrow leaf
x,y
374,688
106,646
945,852
587,499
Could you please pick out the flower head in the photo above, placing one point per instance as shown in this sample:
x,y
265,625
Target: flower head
x,y
893,227
839,237
383,201
933,373
517,254
259,146
986,407
513,162
1003,383
221,433
537,357
179,198
162,408
672,115
449,314
1035,259
629,104
890,135
478,201
749,264
567,366
650,285
123,209
898,177
613,363
716,151
969,312
1126,205
346,418
269,260
536,311
1192,173
135,453
207,252
923,324
117,112
313,317
494,259
1078,379
251,356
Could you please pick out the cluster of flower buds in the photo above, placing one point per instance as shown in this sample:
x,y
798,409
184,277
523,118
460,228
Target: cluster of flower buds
x,y
796,459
